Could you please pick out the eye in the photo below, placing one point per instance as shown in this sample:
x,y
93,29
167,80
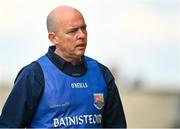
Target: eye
x,y
72,31
83,27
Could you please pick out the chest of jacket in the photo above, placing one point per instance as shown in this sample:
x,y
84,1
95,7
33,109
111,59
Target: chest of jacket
x,y
68,101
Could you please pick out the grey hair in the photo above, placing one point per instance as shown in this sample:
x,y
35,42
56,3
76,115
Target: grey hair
x,y
51,23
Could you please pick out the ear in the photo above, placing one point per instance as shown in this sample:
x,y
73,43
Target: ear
x,y
53,38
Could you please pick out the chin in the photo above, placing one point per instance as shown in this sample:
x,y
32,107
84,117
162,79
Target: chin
x,y
80,54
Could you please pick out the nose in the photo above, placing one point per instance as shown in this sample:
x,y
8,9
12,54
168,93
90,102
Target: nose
x,y
82,33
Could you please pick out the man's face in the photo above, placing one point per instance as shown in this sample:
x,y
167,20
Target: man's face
x,y
72,36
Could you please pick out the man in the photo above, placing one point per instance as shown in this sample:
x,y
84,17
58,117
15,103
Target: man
x,y
64,88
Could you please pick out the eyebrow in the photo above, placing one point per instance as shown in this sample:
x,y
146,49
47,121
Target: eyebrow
x,y
82,26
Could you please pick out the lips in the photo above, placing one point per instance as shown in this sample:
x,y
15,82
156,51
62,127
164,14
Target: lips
x,y
82,45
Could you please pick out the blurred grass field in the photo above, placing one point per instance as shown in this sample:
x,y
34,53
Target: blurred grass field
x,y
4,92
143,109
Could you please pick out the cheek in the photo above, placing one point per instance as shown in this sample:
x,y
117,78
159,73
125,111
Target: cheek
x,y
70,44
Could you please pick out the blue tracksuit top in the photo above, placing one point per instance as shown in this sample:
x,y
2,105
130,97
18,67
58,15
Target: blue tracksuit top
x,y
67,101
98,105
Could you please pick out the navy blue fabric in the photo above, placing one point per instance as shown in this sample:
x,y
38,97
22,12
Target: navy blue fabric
x,y
23,100
68,68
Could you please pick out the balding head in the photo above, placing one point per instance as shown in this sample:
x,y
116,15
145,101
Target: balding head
x,y
57,15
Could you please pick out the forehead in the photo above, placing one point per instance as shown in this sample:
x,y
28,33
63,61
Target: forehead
x,y
72,20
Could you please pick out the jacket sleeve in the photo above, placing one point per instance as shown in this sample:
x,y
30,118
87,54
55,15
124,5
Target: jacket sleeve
x,y
113,115
20,105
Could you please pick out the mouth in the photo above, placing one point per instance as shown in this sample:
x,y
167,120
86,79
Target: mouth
x,y
81,46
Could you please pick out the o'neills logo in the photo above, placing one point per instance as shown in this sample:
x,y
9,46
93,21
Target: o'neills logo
x,y
79,85
77,120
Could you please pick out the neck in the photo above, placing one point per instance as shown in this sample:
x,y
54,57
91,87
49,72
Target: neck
x,y
72,59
